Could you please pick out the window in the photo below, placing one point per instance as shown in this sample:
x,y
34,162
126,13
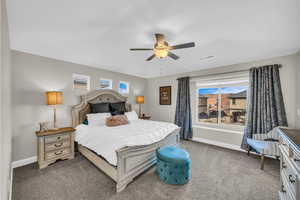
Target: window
x,y
233,102
105,83
222,105
124,87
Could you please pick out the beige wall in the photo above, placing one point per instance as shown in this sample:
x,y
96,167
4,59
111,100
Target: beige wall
x,y
167,113
32,76
298,91
5,108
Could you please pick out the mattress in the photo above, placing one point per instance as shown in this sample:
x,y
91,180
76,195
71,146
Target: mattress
x,y
105,141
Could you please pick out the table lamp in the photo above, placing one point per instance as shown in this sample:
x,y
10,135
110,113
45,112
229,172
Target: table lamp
x,y
54,98
140,100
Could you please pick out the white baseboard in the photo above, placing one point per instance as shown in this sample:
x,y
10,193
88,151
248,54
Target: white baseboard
x,y
219,144
26,161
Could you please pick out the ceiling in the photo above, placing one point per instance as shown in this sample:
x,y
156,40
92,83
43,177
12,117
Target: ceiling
x,y
100,33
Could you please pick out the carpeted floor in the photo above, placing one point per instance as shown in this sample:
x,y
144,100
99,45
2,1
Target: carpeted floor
x,y
217,173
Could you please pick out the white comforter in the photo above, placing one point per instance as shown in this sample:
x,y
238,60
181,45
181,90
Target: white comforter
x,y
105,141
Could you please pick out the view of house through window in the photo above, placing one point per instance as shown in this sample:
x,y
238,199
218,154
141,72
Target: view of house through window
x,y
225,105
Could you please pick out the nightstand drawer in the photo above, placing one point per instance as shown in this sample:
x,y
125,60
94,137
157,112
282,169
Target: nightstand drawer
x,y
57,145
57,154
57,138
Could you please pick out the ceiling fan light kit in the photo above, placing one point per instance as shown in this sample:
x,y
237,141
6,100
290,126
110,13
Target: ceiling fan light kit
x,y
161,53
162,49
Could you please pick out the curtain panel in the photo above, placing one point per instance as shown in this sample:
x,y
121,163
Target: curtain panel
x,y
183,117
265,109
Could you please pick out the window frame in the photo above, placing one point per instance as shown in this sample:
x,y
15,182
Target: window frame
x,y
219,124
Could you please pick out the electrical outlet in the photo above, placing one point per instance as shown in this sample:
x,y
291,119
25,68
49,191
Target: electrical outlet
x,y
298,112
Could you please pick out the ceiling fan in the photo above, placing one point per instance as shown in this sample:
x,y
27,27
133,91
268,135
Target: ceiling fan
x,y
162,49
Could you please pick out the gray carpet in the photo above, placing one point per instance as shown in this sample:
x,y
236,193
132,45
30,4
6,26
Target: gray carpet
x,y
217,173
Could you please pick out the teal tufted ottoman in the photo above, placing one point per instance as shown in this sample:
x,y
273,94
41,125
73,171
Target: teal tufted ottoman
x,y
173,165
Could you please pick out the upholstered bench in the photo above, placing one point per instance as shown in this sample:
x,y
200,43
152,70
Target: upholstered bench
x,y
173,165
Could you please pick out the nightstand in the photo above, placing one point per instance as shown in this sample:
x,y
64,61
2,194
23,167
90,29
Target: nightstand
x,y
54,145
145,117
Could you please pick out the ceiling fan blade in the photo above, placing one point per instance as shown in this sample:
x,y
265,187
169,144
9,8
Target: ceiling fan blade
x,y
182,46
172,55
160,38
140,49
150,58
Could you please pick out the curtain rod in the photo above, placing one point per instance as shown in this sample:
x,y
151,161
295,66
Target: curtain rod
x,y
222,73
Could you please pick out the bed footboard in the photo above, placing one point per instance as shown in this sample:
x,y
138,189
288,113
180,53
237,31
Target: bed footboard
x,y
132,161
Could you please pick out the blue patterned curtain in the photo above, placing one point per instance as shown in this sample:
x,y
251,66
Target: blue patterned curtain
x,y
265,109
183,117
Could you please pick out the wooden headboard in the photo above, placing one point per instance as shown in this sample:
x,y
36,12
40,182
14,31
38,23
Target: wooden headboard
x,y
98,96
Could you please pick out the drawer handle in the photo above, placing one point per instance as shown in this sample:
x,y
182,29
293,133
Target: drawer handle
x,y
296,160
58,153
284,165
291,180
282,189
58,145
58,137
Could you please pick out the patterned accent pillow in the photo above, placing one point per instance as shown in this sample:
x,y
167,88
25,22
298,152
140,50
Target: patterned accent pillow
x,y
85,122
116,120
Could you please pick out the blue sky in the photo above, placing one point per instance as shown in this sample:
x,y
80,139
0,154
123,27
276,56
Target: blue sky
x,y
225,90
123,86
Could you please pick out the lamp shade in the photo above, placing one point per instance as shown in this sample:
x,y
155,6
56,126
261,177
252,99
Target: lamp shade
x,y
54,98
140,99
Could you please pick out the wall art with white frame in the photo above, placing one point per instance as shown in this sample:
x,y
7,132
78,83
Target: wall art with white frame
x,y
81,82
124,87
105,83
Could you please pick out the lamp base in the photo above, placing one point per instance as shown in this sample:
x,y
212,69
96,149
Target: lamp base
x,y
54,120
140,110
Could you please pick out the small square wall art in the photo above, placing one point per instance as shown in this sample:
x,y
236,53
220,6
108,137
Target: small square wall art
x,y
105,83
81,82
124,87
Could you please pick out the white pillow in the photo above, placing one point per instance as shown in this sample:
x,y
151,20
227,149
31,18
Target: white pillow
x,y
131,116
97,119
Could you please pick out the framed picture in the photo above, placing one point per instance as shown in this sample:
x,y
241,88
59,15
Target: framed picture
x,y
81,82
124,87
165,95
105,83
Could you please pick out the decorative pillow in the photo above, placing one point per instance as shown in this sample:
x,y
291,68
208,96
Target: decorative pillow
x,y
113,113
117,108
97,119
99,107
116,120
131,116
85,122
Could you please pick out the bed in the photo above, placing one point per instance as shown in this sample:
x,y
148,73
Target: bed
x,y
131,160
